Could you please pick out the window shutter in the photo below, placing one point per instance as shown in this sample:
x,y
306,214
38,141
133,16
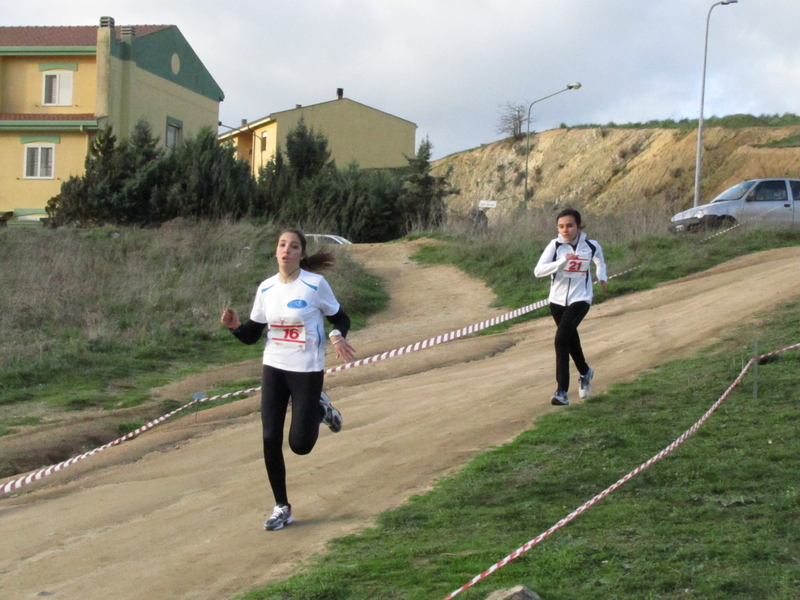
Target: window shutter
x,y
46,160
65,88
50,89
31,162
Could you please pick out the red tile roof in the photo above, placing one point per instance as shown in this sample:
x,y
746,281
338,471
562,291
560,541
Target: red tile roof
x,y
47,117
84,35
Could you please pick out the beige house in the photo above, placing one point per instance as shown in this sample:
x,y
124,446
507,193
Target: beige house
x,y
355,133
59,85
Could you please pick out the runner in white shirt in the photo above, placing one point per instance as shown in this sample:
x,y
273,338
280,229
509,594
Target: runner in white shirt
x,y
290,306
566,260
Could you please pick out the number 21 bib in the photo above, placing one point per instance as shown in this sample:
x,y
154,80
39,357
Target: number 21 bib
x,y
576,267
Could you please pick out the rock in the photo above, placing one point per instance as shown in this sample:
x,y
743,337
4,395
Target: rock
x,y
519,592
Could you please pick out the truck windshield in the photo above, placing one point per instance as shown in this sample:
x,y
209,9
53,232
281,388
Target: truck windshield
x,y
735,192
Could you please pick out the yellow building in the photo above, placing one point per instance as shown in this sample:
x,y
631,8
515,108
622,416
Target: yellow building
x,y
355,133
59,85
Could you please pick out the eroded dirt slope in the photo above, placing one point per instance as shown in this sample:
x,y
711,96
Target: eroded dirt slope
x,y
615,169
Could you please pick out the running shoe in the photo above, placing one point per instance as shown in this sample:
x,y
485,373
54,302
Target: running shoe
x,y
281,515
332,417
559,398
585,381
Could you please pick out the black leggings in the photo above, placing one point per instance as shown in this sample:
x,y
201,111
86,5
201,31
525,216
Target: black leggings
x,y
568,342
277,386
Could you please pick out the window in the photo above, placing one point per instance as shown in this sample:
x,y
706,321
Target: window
x,y
173,136
795,189
57,88
770,191
174,133
39,161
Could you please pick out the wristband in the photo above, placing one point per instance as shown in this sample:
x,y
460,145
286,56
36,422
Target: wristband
x,y
334,333
337,341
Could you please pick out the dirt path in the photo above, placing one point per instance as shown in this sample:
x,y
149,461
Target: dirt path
x,y
177,513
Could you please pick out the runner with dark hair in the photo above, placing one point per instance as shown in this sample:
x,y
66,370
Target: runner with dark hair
x,y
291,305
566,260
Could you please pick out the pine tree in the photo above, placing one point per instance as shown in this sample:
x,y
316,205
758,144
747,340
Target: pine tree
x,y
423,194
307,151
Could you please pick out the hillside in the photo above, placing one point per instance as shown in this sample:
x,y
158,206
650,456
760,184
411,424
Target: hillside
x,y
609,168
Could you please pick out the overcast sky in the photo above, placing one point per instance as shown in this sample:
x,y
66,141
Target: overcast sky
x,y
447,65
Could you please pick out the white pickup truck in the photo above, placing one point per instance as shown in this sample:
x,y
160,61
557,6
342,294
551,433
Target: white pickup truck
x,y
764,200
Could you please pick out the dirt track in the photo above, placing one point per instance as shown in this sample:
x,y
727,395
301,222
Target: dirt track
x,y
177,513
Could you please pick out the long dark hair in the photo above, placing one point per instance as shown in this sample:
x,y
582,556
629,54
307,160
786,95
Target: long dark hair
x,y
317,262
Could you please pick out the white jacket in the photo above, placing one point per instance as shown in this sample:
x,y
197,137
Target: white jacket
x,y
571,279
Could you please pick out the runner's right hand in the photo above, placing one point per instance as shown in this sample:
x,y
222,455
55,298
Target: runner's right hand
x,y
230,318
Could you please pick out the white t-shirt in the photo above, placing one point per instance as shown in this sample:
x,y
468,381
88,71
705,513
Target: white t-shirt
x,y
293,313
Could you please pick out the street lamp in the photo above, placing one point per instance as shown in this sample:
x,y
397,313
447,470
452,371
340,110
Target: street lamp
x,y
571,86
698,161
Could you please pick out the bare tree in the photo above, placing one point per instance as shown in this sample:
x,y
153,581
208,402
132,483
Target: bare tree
x,y
512,120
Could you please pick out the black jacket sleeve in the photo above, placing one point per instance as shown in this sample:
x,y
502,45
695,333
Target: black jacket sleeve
x,y
340,321
249,332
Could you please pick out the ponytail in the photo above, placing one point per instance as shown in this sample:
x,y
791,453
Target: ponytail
x,y
317,262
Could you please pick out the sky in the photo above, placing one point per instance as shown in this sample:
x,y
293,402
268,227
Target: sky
x,y
449,65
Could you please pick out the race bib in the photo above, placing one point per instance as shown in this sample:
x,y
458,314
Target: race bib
x,y
288,332
576,267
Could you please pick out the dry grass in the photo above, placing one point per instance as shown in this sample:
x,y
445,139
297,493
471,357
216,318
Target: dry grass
x,y
119,285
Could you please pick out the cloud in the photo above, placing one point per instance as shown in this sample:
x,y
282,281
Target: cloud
x,y
447,64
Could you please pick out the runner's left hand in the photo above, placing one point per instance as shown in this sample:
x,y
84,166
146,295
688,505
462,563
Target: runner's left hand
x,y
344,351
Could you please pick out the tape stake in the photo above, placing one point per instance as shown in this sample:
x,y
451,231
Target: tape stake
x,y
755,373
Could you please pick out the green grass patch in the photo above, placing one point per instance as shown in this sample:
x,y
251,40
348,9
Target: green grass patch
x,y
505,259
128,426
97,317
9,424
790,141
738,121
717,518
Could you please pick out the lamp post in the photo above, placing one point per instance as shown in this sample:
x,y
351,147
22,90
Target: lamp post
x,y
699,159
571,86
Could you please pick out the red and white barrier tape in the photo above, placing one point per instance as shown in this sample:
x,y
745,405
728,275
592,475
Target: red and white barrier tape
x,y
739,224
42,473
523,549
441,339
434,341
37,475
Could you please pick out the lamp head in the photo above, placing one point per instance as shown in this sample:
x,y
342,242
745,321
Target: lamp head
x,y
577,86
724,2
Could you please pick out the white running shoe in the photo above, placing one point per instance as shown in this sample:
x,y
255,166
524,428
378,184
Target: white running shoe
x,y
585,381
332,417
281,515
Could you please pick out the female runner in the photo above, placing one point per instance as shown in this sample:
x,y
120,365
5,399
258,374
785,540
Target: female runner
x,y
290,305
566,260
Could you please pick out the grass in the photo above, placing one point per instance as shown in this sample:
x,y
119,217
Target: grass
x,y
97,317
717,518
504,256
790,141
738,121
